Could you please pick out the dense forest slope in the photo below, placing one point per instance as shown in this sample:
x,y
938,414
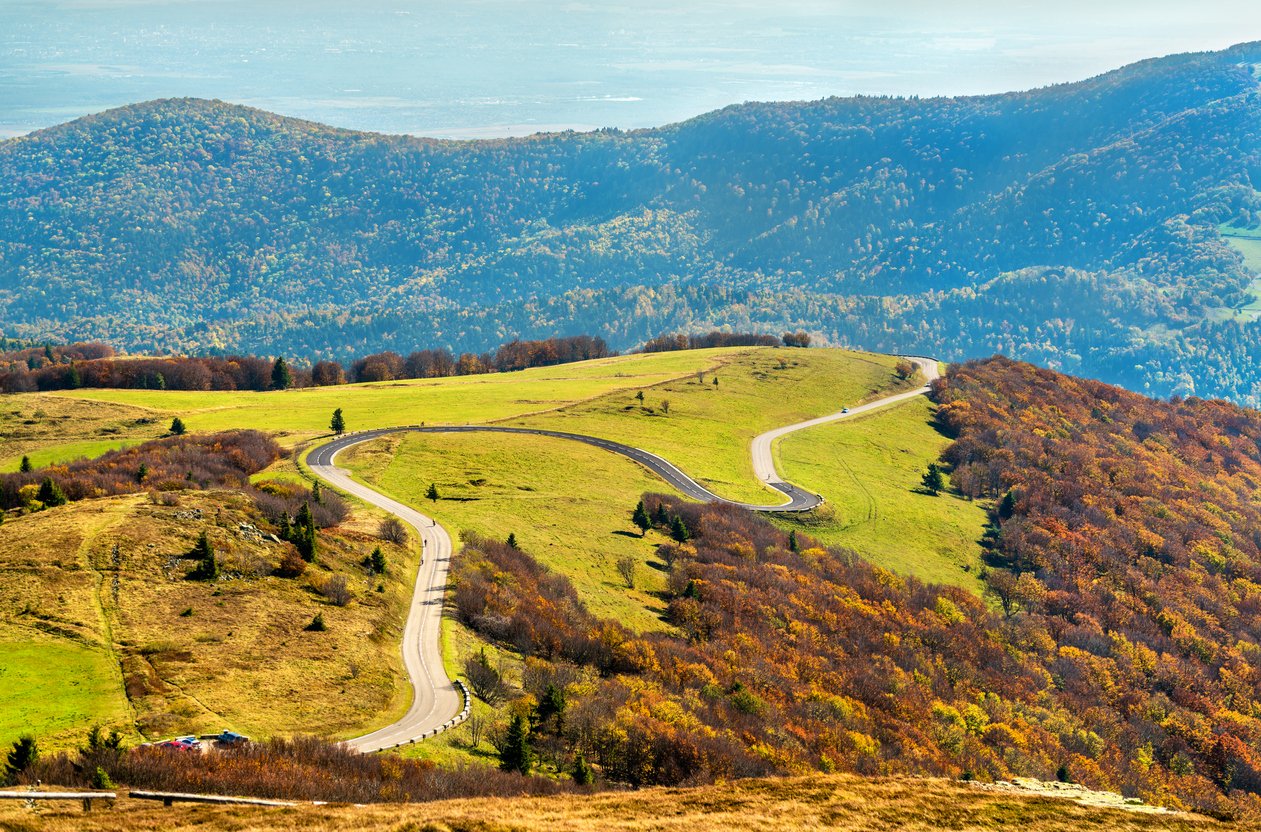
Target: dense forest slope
x,y
1075,225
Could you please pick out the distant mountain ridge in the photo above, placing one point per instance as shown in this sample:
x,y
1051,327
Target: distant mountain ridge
x,y
1075,226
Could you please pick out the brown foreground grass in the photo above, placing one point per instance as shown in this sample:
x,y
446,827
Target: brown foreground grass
x,y
840,802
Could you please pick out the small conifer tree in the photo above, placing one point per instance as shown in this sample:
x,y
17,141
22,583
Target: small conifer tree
x,y
281,375
517,755
640,518
207,568
50,493
934,483
678,530
23,755
581,772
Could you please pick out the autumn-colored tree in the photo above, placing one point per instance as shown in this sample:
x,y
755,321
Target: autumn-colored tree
x,y
627,567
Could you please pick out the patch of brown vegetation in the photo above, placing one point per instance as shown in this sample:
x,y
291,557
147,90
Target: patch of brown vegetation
x,y
840,802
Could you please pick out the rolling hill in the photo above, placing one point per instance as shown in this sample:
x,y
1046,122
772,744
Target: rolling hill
x,y
1077,226
1079,602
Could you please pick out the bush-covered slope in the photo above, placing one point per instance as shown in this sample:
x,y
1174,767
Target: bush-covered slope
x,y
1075,224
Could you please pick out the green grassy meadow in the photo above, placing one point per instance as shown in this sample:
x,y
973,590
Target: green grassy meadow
x,y
53,689
456,400
568,504
708,428
869,469
1247,241
57,427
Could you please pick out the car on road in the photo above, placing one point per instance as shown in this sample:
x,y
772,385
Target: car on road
x,y
182,744
845,410
231,738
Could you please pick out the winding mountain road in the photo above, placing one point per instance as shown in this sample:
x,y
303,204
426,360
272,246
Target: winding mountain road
x,y
436,697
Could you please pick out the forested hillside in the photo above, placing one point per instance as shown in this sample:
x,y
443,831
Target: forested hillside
x,y
1077,226
1118,648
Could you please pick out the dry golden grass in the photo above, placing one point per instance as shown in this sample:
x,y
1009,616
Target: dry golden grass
x,y
838,802
34,423
66,424
98,588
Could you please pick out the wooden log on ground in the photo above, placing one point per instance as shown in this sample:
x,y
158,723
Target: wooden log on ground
x,y
171,798
32,796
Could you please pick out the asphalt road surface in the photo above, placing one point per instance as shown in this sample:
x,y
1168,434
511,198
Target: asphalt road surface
x,y
436,698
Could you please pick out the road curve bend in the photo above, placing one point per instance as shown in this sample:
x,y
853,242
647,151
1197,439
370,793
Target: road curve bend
x,y
764,461
436,697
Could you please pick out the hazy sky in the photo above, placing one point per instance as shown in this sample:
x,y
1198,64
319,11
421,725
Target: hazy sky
x,y
496,67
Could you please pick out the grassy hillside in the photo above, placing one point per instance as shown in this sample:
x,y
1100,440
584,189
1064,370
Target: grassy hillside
x,y
569,504
870,470
707,428
566,502
63,425
841,802
100,625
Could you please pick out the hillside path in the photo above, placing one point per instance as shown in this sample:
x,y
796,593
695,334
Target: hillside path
x,y
436,697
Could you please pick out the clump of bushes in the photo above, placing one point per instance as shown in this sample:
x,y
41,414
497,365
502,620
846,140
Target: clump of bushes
x,y
305,768
277,499
221,460
392,530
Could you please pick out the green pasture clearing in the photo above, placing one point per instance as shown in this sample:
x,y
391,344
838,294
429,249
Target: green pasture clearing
x,y
68,452
869,469
54,690
708,428
454,400
568,504
56,427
